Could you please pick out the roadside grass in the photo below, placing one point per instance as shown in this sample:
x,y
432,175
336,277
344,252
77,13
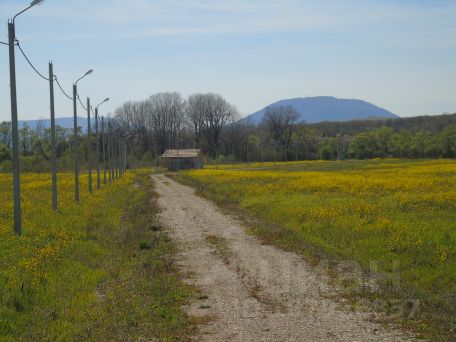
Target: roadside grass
x,y
394,218
82,273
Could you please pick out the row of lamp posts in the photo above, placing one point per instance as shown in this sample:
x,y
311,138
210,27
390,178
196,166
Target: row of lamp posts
x,y
110,150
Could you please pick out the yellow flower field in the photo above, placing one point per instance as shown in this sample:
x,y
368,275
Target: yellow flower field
x,y
383,211
51,268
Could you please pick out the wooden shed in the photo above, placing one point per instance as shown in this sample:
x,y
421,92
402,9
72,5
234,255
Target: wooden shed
x,y
175,160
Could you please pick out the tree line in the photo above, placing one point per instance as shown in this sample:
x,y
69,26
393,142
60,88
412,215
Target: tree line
x,y
35,147
209,122
168,121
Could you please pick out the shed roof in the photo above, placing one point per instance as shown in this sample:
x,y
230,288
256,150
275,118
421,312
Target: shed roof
x,y
189,153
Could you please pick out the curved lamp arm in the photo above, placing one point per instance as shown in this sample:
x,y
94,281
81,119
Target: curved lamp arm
x,y
33,3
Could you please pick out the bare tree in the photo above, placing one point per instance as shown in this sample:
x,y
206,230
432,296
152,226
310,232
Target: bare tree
x,y
280,121
194,116
132,117
172,121
217,114
164,115
41,140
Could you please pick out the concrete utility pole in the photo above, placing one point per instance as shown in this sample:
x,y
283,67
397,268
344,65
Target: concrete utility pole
x,y
113,157
75,136
103,150
97,154
75,144
125,157
109,151
53,139
14,120
155,155
15,130
117,159
98,143
89,143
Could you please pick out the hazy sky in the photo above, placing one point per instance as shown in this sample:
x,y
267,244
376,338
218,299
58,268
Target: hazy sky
x,y
400,55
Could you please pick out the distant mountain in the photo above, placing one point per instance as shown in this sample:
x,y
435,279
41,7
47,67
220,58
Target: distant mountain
x,y
62,122
327,108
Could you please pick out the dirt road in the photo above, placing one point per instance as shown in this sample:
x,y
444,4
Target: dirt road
x,y
253,292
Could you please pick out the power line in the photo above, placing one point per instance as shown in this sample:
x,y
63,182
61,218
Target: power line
x,y
30,63
41,75
4,43
82,105
47,79
61,88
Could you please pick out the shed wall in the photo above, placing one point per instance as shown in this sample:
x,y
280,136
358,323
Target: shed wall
x,y
175,164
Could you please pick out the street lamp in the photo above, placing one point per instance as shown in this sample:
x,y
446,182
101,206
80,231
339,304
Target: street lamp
x,y
98,142
112,151
104,147
125,152
33,3
14,119
75,136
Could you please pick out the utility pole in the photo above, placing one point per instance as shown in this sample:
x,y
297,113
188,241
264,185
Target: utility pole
x,y
234,156
14,120
113,156
124,150
124,157
98,143
121,158
89,143
155,154
53,140
15,131
75,144
118,171
97,154
109,152
75,136
117,149
103,151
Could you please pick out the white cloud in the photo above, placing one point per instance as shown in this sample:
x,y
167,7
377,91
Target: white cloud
x,y
337,30
155,18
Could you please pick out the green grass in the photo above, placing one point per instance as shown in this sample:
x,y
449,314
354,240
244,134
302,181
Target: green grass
x,y
81,273
143,296
397,214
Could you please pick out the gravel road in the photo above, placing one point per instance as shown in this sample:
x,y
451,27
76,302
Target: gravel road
x,y
252,291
